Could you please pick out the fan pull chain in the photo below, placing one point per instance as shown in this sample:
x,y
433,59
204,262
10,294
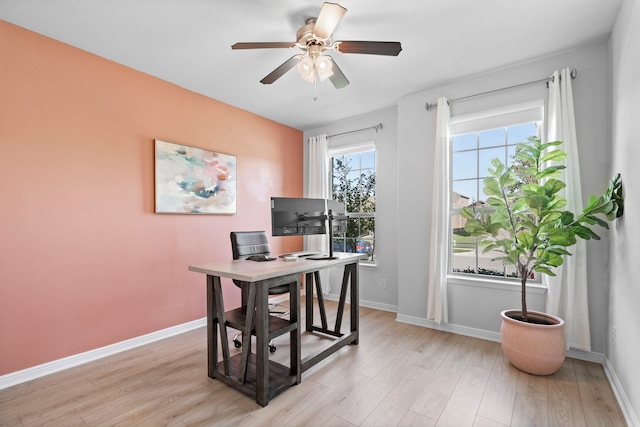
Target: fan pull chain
x,y
315,89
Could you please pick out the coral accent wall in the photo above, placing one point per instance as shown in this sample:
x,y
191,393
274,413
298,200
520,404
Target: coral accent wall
x,y
84,261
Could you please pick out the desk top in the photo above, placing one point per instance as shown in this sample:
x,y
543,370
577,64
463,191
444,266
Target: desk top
x,y
252,271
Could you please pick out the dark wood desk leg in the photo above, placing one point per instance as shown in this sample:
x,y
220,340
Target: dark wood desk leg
x,y
343,298
224,340
262,340
320,296
212,328
246,333
355,301
308,282
294,336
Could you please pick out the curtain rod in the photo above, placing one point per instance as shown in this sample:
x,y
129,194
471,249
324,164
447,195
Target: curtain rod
x,y
429,107
376,127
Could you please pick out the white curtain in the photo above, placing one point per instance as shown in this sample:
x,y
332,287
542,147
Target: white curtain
x,y
567,292
439,247
318,188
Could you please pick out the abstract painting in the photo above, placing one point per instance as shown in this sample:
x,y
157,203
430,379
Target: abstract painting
x,y
194,181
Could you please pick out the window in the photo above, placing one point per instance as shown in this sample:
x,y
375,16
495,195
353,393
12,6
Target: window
x,y
472,147
353,182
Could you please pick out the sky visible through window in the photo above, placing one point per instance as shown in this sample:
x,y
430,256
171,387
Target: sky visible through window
x,y
473,152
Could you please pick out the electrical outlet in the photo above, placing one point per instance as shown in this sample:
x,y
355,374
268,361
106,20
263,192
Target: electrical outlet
x,y
383,283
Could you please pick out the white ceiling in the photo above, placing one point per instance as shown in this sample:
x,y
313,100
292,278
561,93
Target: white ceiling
x,y
188,42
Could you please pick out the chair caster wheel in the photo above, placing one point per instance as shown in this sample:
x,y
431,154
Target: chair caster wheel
x,y
237,344
272,349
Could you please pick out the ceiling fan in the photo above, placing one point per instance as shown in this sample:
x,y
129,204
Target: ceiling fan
x,y
314,38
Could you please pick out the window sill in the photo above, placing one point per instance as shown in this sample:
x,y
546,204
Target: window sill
x,y
536,288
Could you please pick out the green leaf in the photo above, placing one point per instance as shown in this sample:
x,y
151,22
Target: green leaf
x,y
613,214
549,217
474,227
537,202
467,213
550,172
595,220
491,187
525,238
559,251
584,232
557,203
549,144
496,202
507,180
545,270
552,186
554,156
593,202
566,218
499,167
525,157
561,237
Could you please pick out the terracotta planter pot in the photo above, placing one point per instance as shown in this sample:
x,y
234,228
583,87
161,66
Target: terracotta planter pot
x,y
535,348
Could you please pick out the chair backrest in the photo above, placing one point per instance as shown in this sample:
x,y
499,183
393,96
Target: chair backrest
x,y
246,243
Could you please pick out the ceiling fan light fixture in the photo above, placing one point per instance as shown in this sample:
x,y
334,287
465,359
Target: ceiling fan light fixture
x,y
324,67
306,69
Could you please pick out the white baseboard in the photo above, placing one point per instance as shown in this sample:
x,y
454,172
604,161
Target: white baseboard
x,y
630,417
588,356
448,327
48,368
365,303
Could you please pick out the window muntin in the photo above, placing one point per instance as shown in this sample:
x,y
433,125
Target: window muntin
x,y
353,182
471,155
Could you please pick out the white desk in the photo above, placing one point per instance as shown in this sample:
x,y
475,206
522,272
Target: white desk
x,y
256,375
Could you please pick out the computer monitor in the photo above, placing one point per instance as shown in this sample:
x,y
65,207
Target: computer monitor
x,y
292,216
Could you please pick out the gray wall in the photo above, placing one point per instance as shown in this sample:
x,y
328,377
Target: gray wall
x,y
624,344
476,308
405,155
371,292
607,106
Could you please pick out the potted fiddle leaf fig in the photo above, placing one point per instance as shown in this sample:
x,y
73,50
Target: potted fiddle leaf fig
x,y
524,222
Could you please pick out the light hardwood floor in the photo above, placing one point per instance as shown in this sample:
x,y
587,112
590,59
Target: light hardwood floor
x,y
399,375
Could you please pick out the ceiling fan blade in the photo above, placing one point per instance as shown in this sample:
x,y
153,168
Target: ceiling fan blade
x,y
370,48
330,16
338,78
263,45
279,72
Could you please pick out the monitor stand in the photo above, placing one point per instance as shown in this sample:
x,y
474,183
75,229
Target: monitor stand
x,y
330,256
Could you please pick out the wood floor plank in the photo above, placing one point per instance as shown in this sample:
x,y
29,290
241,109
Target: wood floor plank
x,y
565,407
397,402
398,375
529,411
463,404
485,422
500,394
433,399
598,401
357,408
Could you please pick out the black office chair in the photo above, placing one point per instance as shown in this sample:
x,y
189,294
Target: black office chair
x,y
243,245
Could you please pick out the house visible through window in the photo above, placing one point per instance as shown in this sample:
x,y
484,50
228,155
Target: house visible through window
x,y
471,153
353,182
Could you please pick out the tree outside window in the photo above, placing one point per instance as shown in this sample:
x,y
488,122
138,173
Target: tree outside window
x,y
353,182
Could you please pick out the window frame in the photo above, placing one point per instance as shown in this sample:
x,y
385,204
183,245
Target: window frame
x,y
475,123
345,150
